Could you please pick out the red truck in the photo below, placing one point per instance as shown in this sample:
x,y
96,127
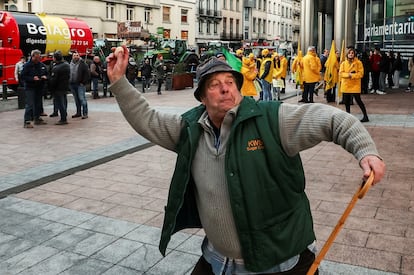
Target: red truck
x,y
20,33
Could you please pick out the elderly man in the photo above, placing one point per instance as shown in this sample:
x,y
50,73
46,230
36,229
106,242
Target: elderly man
x,y
238,173
34,76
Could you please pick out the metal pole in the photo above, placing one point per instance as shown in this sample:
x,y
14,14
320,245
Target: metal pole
x,y
4,89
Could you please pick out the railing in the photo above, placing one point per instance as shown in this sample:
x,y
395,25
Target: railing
x,y
209,13
230,36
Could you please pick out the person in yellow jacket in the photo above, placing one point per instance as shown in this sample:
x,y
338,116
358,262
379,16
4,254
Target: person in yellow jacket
x,y
311,74
351,72
266,74
283,66
249,72
277,77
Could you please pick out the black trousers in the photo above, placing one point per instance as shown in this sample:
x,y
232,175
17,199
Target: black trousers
x,y
301,268
348,100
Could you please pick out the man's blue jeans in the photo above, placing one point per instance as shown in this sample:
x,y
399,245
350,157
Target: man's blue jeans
x,y
79,95
62,105
267,90
95,82
33,104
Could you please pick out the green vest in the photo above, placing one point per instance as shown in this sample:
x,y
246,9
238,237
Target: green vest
x,y
266,187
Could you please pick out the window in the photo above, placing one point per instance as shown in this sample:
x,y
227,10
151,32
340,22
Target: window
x,y
231,26
208,27
166,33
200,26
110,11
246,14
184,18
130,13
224,25
254,24
215,27
29,6
237,26
403,7
259,25
147,15
224,4
237,5
166,14
231,5
184,35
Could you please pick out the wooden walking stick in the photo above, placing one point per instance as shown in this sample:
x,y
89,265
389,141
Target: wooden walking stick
x,y
362,190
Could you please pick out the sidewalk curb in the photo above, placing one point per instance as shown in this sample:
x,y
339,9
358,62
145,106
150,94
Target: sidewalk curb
x,y
53,171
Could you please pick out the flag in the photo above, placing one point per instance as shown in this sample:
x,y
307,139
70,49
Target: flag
x,y
340,62
331,65
297,65
232,60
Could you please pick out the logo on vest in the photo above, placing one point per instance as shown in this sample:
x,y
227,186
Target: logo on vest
x,y
255,144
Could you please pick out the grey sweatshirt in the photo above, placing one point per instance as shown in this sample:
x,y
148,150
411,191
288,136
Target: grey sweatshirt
x,y
301,127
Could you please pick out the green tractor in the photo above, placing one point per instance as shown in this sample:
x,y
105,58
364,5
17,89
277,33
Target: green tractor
x,y
174,51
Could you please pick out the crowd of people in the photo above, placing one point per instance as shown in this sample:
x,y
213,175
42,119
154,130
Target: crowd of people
x,y
58,78
359,73
264,76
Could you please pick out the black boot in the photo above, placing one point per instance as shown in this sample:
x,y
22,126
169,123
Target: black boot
x,y
364,111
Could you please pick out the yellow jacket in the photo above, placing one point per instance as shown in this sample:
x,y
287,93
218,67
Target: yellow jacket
x,y
283,66
265,61
350,74
311,68
249,72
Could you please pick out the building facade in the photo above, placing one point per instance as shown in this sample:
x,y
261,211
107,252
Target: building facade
x,y
364,24
166,18
235,22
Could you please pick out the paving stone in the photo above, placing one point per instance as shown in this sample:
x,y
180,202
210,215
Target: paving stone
x,y
6,237
55,264
29,207
143,258
69,238
109,226
67,216
46,233
87,266
191,245
12,218
168,265
92,244
117,250
14,247
27,259
120,270
26,227
151,235
333,268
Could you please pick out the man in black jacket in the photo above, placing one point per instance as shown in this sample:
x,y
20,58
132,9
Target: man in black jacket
x,y
146,74
34,75
59,84
79,77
